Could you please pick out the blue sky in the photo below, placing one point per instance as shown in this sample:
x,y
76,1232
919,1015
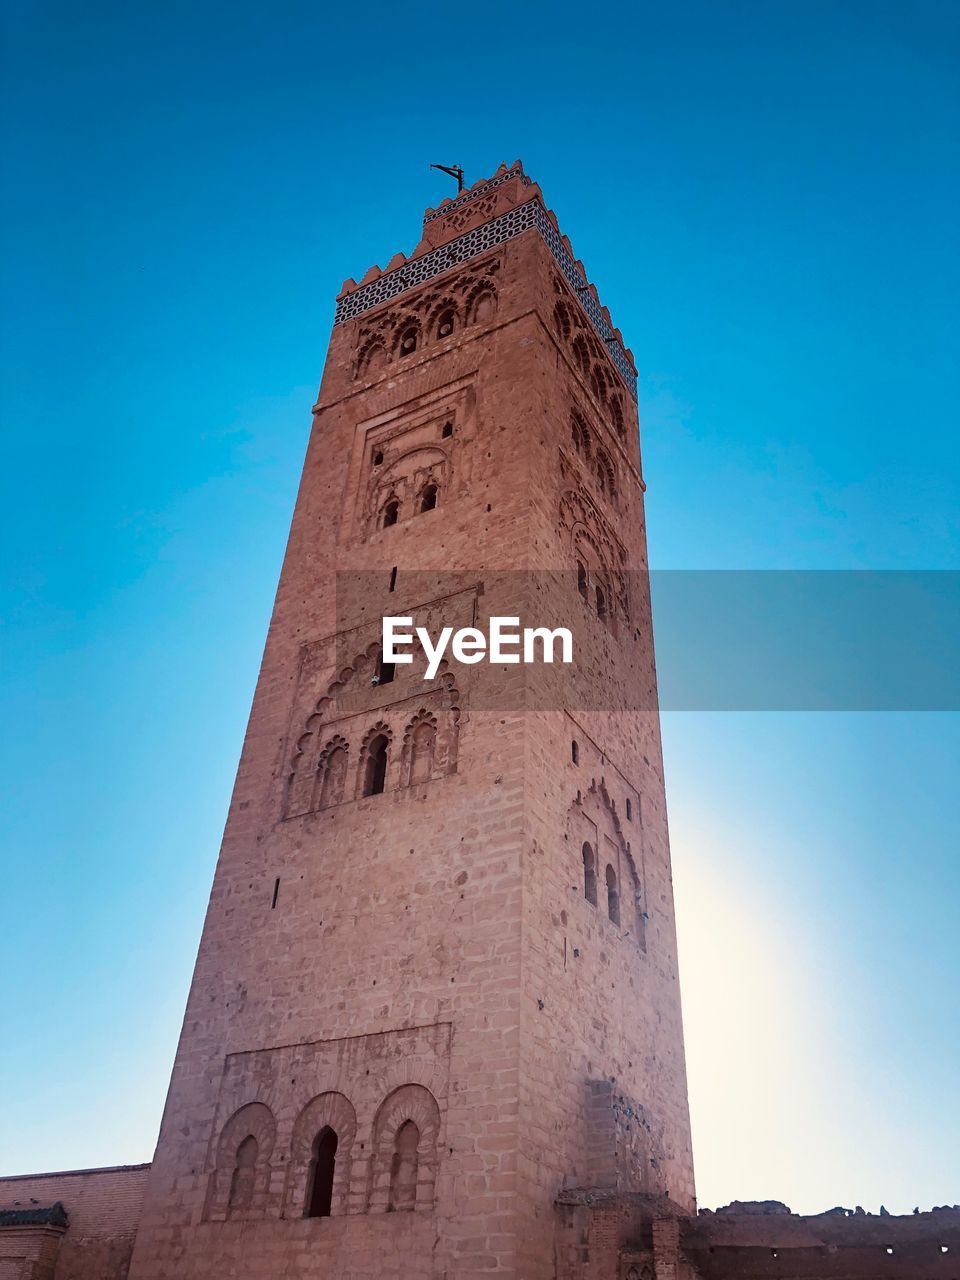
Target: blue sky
x,y
766,196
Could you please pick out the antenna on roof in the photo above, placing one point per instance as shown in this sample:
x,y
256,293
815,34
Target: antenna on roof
x,y
454,170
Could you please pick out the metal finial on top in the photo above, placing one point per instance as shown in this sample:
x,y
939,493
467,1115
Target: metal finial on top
x,y
454,170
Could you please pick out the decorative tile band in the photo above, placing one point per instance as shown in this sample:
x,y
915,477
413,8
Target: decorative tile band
x,y
580,285
418,270
476,192
472,243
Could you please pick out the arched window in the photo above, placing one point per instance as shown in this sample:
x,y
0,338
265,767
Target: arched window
x,y
334,776
408,341
244,1170
582,579
640,1273
589,875
605,474
375,769
377,457
385,671
601,605
581,437
318,1166
323,1163
391,513
581,353
237,1183
561,318
616,413
404,1167
428,499
404,1153
422,746
446,323
447,431
613,895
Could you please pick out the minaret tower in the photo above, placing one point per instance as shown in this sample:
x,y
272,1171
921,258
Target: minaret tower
x,y
437,983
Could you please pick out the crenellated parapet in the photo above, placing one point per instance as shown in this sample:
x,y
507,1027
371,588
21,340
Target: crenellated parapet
x,y
490,213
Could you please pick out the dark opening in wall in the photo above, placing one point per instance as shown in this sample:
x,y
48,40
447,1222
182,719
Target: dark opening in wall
x,y
629,810
391,513
393,578
375,776
322,1168
378,457
447,431
446,324
408,342
385,671
428,499
276,892
575,751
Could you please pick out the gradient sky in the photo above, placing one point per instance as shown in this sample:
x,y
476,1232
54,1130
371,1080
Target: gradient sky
x,y
766,196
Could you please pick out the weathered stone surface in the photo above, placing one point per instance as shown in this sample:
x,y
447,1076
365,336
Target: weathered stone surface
x,y
757,1208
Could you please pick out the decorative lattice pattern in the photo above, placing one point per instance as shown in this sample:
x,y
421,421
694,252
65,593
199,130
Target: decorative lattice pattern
x,y
419,270
505,227
476,192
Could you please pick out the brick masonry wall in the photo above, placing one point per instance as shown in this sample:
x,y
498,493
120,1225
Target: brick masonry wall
x,y
103,1206
31,1253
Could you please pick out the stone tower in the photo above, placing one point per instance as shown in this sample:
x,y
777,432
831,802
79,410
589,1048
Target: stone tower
x,y
437,983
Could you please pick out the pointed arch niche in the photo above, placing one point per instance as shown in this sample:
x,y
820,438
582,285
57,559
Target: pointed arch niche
x,y
412,472
405,1151
404,738
319,1169
238,1183
598,555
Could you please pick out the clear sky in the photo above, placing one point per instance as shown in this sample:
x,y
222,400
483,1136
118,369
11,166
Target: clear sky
x,y
766,196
